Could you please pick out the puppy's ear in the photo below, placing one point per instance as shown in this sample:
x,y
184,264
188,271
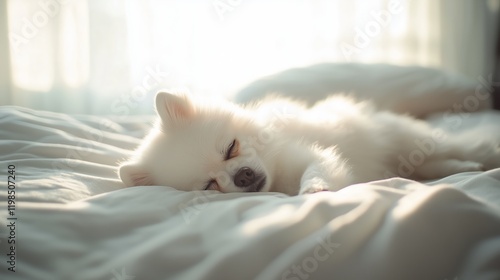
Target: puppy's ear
x,y
133,174
173,109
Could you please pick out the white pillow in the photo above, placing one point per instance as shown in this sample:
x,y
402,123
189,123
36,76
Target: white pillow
x,y
415,90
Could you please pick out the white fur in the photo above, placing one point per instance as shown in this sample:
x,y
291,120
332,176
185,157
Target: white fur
x,y
336,143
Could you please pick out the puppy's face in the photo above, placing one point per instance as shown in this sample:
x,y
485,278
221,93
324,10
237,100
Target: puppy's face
x,y
202,146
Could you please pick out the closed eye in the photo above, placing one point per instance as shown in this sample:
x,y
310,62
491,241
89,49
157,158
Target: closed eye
x,y
212,185
232,150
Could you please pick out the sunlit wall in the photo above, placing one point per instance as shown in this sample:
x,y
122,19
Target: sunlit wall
x,y
83,56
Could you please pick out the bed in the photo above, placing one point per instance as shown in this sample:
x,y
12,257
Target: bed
x,y
71,218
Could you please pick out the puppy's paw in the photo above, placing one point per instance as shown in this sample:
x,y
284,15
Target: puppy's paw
x,y
493,160
468,166
313,185
312,190
486,153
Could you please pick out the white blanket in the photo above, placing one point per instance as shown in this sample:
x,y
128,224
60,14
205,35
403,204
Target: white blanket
x,y
76,221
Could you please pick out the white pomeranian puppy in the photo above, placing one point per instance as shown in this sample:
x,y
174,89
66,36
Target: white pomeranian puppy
x,y
279,145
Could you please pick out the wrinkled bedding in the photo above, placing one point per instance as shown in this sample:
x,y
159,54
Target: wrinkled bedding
x,y
75,220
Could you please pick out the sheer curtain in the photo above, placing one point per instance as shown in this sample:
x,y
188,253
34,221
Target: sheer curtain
x,y
111,56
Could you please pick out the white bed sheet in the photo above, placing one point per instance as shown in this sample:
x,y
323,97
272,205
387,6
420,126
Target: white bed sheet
x,y
76,221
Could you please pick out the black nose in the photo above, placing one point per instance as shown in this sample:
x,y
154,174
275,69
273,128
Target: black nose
x,y
244,177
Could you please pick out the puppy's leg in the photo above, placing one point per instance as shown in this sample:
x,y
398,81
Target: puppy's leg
x,y
329,172
452,157
486,153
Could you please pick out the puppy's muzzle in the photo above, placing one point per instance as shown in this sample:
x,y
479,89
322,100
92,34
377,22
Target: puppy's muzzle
x,y
247,178
244,177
